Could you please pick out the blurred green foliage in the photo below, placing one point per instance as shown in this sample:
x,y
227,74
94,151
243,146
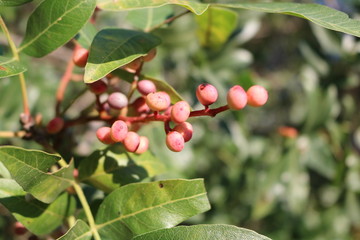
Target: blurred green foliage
x,y
301,187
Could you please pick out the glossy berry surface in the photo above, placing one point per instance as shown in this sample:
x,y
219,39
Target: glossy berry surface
x,y
236,98
98,87
185,129
180,112
143,145
80,56
207,94
257,96
131,141
175,141
55,125
117,100
119,130
158,101
145,87
140,106
104,135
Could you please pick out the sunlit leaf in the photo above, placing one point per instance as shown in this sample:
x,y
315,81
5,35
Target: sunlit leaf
x,y
147,18
29,169
142,207
113,48
10,67
53,23
80,231
36,216
203,232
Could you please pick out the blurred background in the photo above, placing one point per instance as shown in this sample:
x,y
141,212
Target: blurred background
x,y
288,170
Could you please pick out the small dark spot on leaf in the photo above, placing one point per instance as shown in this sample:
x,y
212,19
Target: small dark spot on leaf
x,y
161,185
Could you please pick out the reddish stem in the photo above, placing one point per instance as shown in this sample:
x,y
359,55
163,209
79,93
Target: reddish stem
x,y
62,86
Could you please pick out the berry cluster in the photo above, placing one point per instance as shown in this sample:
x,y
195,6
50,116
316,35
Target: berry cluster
x,y
125,118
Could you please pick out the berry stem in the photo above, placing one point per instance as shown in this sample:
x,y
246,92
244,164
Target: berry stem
x,y
167,21
167,127
62,86
16,57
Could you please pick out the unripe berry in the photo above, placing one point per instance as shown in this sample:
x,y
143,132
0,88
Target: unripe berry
x,y
150,56
19,228
140,105
236,98
97,87
175,141
80,56
158,101
55,125
131,141
145,87
257,96
117,100
104,135
180,112
185,129
143,145
206,94
119,130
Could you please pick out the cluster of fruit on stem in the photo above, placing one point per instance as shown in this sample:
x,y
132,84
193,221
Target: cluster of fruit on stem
x,y
125,118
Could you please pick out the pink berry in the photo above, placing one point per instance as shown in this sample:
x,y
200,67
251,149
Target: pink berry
x,y
118,132
180,112
55,125
104,135
131,141
185,129
140,105
206,94
19,228
117,100
75,173
158,101
236,98
145,87
97,87
150,56
80,56
143,145
175,141
257,96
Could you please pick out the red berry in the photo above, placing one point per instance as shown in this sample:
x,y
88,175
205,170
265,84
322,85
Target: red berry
x,y
80,56
158,101
257,96
143,145
140,105
236,98
150,56
132,141
19,228
104,135
55,125
180,112
117,100
75,173
145,87
206,94
134,65
97,87
175,141
118,132
185,129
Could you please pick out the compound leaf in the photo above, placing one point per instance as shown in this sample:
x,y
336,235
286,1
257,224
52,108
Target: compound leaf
x,y
202,232
113,48
142,207
10,67
80,231
53,23
38,217
29,169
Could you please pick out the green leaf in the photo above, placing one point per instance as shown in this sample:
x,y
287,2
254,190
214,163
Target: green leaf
x,y
36,216
113,167
203,232
86,35
53,23
142,207
123,5
29,169
113,48
215,26
10,67
160,85
145,19
80,231
319,14
13,2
